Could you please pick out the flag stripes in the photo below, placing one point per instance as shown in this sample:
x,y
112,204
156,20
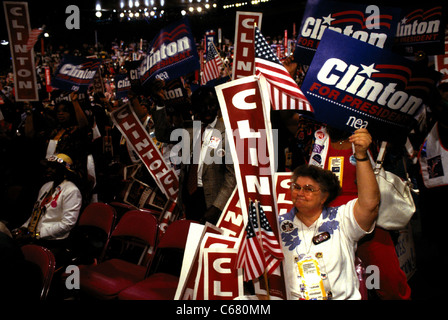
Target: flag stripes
x,y
260,250
284,91
213,65
32,38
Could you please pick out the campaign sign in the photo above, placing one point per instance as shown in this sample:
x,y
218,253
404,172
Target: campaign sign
x,y
176,95
132,68
246,113
18,25
142,144
353,85
207,270
171,54
244,50
75,73
372,24
421,28
122,85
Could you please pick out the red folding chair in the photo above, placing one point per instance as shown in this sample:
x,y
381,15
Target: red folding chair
x,y
164,272
121,208
89,239
46,262
131,240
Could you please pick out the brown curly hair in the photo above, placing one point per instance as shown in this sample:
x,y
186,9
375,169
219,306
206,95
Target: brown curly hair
x,y
327,180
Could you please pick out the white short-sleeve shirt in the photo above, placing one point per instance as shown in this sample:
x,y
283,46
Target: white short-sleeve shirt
x,y
338,251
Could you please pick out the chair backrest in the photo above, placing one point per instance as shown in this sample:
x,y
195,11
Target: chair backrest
x,y
89,239
45,260
101,215
170,250
121,208
138,224
175,235
134,236
154,212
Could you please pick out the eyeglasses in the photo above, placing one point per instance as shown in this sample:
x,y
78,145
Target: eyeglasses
x,y
307,189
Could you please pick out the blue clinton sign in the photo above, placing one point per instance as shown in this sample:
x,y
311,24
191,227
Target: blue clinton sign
x,y
353,85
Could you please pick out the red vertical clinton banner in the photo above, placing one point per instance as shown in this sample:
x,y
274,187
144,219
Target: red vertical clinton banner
x,y
246,113
283,185
18,24
244,52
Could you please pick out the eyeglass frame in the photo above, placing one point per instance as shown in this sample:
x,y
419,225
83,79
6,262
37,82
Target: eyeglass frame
x,y
307,189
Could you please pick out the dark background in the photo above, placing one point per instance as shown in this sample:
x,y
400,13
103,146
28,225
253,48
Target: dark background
x,y
278,16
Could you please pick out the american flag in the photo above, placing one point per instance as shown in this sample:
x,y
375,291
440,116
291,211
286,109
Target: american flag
x,y
283,90
32,38
213,64
259,250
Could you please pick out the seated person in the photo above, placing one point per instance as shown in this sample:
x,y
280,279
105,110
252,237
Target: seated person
x,y
57,208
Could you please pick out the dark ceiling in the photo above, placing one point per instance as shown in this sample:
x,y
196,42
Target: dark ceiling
x,y
278,15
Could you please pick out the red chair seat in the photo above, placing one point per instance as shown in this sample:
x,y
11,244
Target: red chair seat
x,y
107,279
158,286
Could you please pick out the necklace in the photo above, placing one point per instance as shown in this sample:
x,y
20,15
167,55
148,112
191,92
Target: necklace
x,y
307,249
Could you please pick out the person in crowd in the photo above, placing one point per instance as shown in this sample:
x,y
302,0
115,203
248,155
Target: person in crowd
x,y
178,115
319,242
71,135
71,131
20,170
433,177
56,209
333,151
295,138
206,180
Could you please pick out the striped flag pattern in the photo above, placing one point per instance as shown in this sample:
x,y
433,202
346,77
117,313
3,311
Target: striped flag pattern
x,y
213,64
283,90
32,38
259,250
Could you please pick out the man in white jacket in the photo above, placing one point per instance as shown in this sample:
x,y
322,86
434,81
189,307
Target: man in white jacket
x,y
57,208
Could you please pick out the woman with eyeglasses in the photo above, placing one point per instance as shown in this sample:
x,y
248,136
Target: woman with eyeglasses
x,y
319,242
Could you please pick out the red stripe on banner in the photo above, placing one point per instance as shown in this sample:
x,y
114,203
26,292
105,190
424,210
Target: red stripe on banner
x,y
391,76
394,66
169,36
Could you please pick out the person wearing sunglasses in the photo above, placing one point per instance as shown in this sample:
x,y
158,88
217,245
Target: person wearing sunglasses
x,y
319,242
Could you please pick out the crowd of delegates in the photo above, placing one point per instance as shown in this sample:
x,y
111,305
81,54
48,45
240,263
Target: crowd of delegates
x,y
74,135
